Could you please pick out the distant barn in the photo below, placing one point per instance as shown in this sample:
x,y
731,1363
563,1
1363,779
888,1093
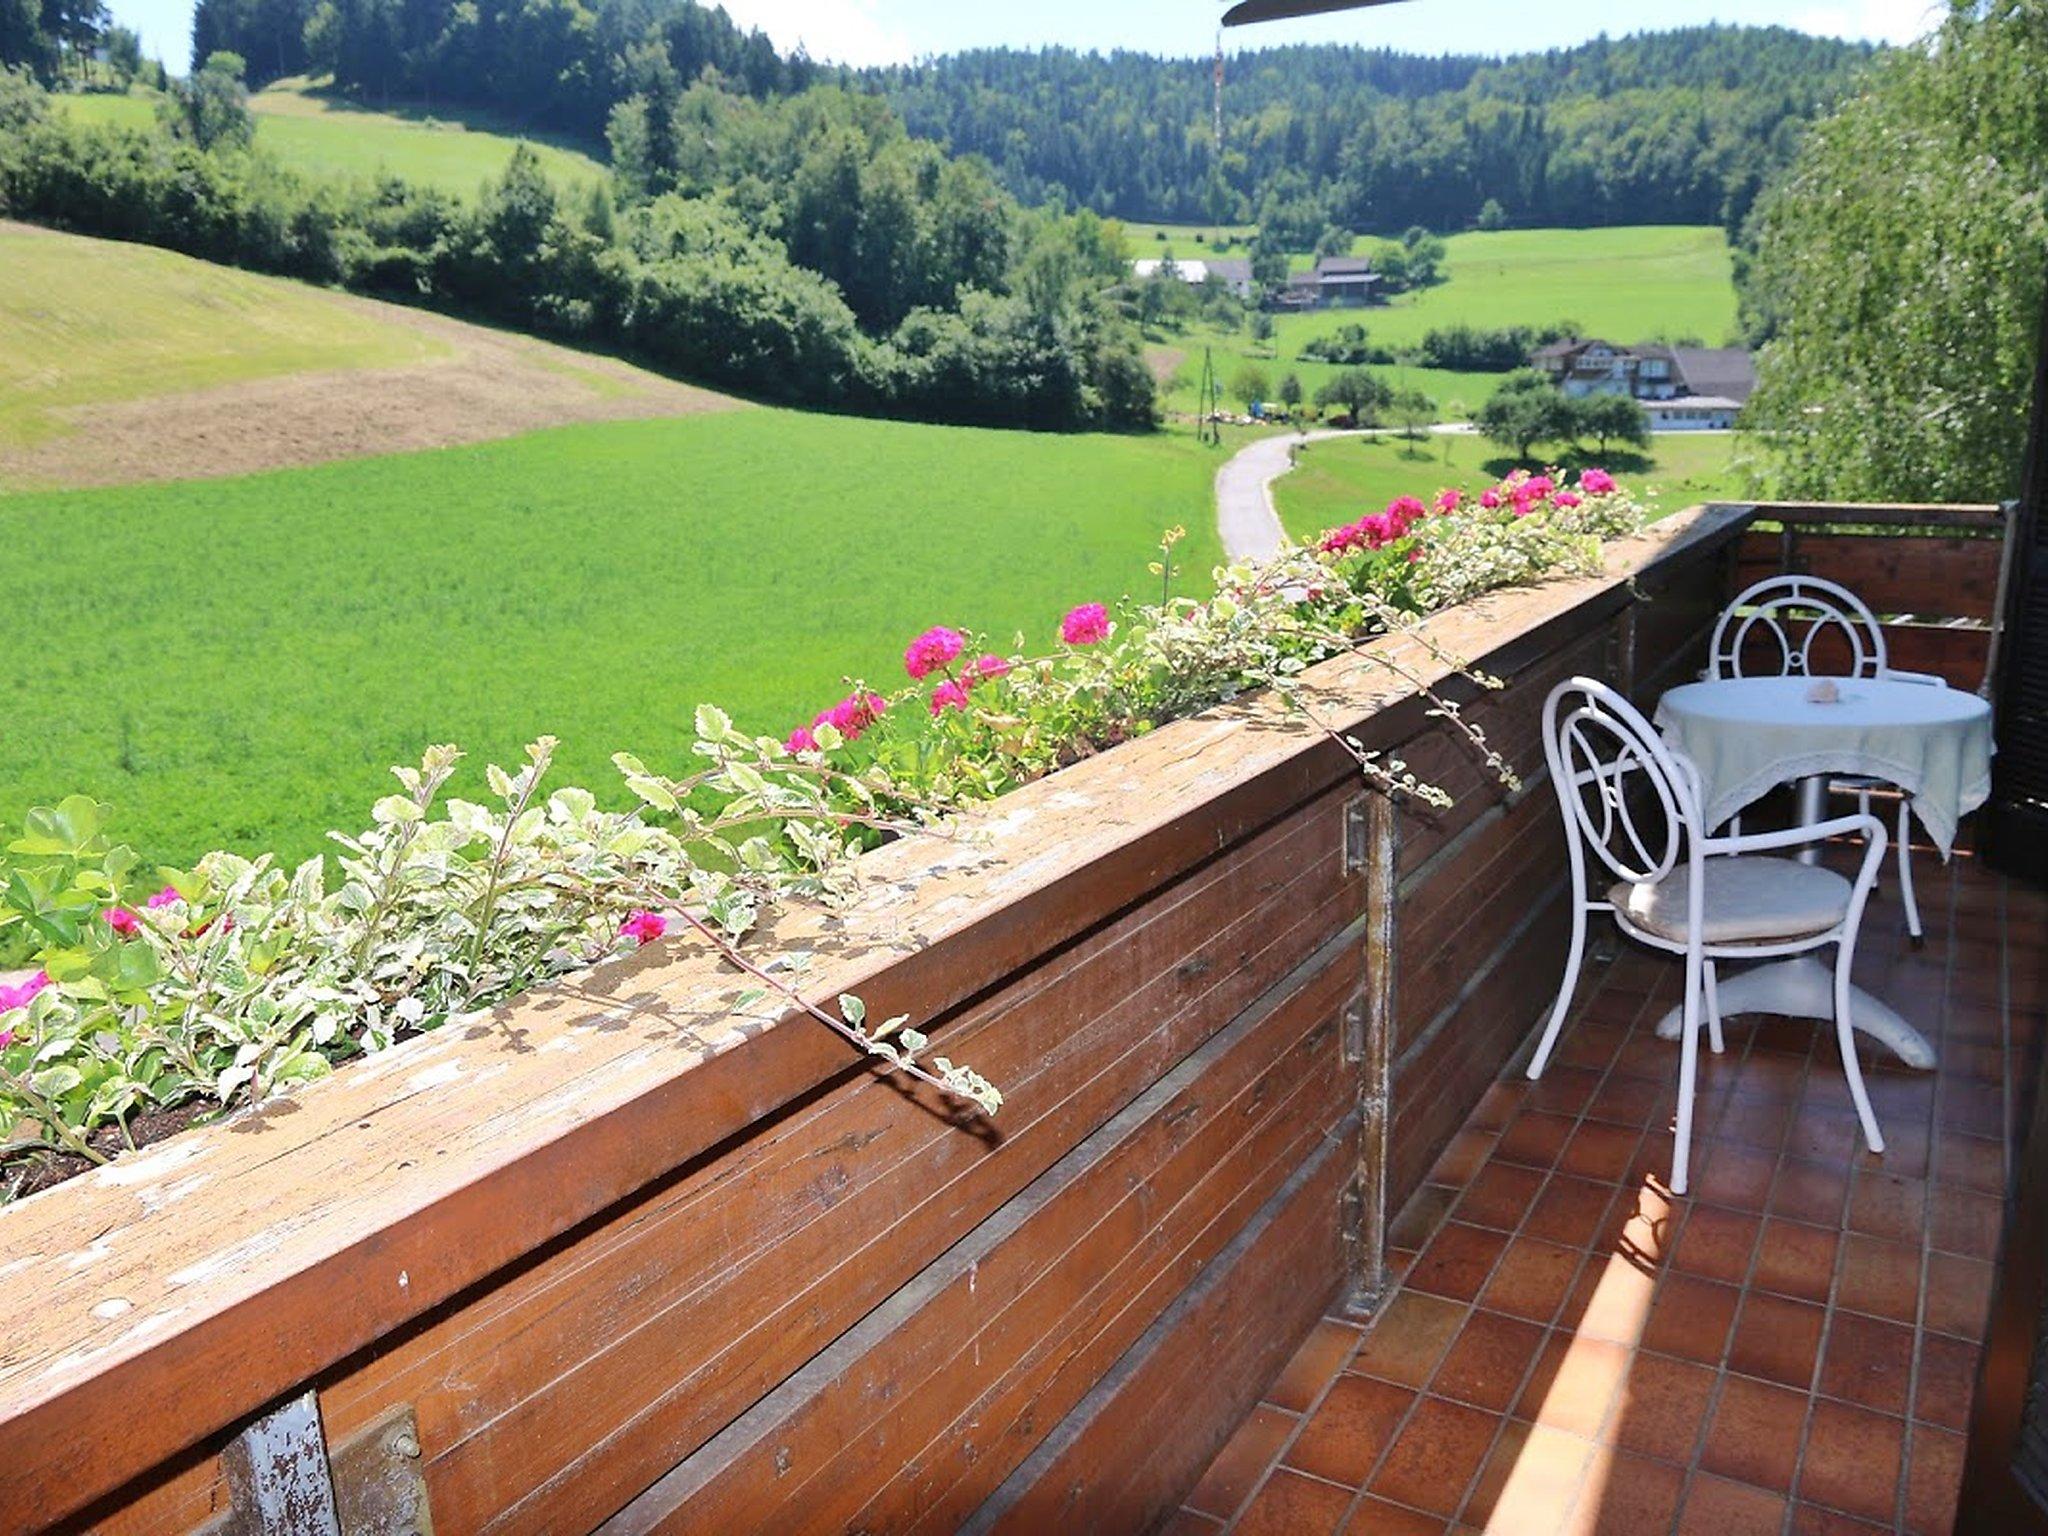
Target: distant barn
x,y
1235,274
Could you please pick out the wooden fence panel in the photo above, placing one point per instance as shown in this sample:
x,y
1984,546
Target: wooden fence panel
x,y
914,1417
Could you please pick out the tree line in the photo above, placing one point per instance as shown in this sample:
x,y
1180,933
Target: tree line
x,y
1896,275
989,314
1683,126
73,41
556,64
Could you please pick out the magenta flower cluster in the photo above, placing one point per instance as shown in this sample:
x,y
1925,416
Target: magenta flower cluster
x,y
1377,530
1085,625
934,650
20,995
1521,493
937,653
644,927
127,923
851,717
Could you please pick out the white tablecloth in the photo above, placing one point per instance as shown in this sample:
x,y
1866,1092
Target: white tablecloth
x,y
1750,734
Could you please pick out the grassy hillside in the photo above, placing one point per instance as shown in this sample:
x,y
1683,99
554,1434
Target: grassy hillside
x,y
1625,284
324,135
1339,479
237,661
91,322
122,363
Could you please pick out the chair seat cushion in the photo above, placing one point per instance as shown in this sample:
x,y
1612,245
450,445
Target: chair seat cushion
x,y
1748,899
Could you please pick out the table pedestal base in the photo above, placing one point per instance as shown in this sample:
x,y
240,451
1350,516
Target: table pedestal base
x,y
1804,988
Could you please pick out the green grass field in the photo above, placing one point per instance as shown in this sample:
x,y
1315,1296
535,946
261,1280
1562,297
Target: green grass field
x,y
1342,478
236,662
1188,241
1626,284
323,135
179,324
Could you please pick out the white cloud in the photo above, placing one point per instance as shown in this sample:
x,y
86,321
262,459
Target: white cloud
x,y
1878,21
841,31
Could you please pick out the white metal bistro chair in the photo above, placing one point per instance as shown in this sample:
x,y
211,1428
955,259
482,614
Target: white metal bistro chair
x,y
1828,612
1634,802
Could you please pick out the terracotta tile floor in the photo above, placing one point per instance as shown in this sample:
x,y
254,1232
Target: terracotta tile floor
x,y
1790,1348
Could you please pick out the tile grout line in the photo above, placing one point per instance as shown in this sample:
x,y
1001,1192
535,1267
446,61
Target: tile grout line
x,y
1691,1470
1623,1183
1279,1457
1901,1494
1472,1306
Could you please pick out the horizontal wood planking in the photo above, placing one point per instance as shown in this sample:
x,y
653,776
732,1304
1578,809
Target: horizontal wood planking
x,y
1077,1038
910,1420
1122,1459
1456,924
1961,657
555,1397
229,1244
1900,573
1449,1066
1978,517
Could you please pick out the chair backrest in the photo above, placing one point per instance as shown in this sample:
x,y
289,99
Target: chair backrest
x,y
1788,614
1622,792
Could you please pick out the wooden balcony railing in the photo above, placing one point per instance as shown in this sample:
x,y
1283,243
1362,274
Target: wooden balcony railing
x,y
1931,573
620,1255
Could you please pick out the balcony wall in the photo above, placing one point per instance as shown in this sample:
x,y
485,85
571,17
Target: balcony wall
x,y
625,1256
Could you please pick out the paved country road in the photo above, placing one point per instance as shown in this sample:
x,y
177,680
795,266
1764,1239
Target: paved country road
x,y
1245,516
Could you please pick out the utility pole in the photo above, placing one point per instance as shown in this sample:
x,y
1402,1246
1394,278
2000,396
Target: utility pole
x,y
1207,428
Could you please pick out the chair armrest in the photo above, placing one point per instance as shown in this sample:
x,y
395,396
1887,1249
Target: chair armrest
x,y
1894,675
1793,837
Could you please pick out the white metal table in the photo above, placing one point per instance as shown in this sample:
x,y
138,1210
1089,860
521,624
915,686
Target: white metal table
x,y
1748,735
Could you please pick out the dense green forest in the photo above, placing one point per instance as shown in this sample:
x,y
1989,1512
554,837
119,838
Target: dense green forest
x,y
1683,126
819,255
1672,127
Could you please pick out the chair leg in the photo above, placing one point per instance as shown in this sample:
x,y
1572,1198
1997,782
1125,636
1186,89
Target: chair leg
x,y
1713,1011
1845,1034
1688,1074
1913,928
1564,993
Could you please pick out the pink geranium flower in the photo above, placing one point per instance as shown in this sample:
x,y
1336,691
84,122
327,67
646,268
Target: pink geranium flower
x,y
1536,487
986,669
163,898
951,694
1565,499
1489,498
644,927
1447,500
800,740
933,649
1085,625
1596,482
122,921
22,993
852,715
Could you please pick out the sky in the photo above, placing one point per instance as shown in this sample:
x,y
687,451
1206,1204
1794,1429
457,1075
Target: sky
x,y
883,31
